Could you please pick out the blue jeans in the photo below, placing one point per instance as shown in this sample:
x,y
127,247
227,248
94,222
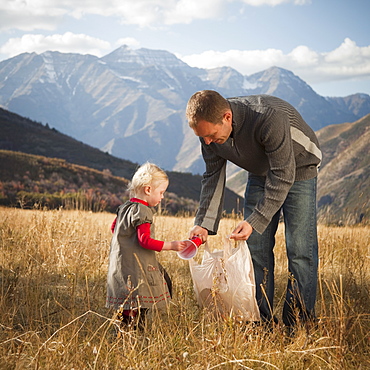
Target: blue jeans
x,y
299,210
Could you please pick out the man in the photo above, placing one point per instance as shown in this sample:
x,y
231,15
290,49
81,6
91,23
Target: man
x,y
267,137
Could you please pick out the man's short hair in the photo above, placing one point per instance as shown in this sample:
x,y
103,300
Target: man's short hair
x,y
206,105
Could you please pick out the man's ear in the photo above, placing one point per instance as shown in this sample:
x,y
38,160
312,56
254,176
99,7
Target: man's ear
x,y
228,116
147,189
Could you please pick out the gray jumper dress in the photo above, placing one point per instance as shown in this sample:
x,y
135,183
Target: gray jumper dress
x,y
135,279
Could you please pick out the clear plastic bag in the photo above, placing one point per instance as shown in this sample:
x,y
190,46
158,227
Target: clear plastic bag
x,y
224,282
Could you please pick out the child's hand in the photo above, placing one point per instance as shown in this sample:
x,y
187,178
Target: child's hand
x,y
174,246
181,245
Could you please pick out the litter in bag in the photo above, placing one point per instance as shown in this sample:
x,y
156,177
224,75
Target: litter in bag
x,y
224,282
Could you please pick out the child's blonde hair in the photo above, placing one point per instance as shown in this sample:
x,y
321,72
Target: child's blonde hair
x,y
147,174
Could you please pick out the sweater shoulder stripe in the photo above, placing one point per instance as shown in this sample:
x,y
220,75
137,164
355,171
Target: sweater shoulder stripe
x,y
299,137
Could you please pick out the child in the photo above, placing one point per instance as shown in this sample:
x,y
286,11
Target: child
x,y
136,281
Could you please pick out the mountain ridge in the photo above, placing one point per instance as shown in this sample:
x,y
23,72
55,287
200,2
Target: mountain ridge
x,y
131,103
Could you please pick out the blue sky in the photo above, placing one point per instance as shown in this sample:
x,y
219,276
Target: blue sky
x,y
324,42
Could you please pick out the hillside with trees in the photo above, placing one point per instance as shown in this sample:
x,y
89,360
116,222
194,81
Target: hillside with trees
x,y
30,181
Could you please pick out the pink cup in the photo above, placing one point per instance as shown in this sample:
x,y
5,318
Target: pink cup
x,y
191,249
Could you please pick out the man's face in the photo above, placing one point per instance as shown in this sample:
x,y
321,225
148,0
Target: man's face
x,y
215,133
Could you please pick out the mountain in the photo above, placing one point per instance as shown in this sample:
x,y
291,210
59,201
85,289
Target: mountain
x,y
318,111
343,182
131,103
19,134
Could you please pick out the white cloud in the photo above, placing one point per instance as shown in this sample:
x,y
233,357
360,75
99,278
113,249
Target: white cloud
x,y
275,2
244,61
66,43
40,14
349,53
304,56
155,13
185,11
345,62
129,41
30,15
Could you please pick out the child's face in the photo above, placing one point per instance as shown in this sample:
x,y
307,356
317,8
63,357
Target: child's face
x,y
155,194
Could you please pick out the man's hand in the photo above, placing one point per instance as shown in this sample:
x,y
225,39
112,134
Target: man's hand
x,y
242,231
200,232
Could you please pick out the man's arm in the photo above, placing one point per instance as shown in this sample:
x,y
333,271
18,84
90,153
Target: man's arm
x,y
277,142
212,195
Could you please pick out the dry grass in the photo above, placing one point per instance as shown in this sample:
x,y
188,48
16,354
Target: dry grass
x,y
52,316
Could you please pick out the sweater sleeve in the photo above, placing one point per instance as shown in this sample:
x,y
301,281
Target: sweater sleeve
x,y
143,235
212,195
276,139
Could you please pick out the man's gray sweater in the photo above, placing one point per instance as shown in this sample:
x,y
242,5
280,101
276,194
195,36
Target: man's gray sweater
x,y
269,138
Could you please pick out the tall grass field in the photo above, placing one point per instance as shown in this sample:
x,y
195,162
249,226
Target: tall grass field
x,y
53,267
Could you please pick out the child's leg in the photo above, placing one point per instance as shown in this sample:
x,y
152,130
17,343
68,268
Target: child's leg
x,y
126,317
131,319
